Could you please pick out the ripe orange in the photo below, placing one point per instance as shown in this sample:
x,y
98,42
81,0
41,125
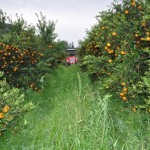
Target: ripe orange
x,y
103,28
114,33
134,109
148,39
110,60
140,7
125,90
124,98
1,115
123,52
133,3
106,47
121,94
123,83
126,12
108,44
6,109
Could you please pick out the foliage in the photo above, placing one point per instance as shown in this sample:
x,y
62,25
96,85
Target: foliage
x,y
118,46
28,52
143,89
45,30
19,66
75,115
12,105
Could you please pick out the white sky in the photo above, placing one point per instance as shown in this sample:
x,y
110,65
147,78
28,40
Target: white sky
x,y
73,17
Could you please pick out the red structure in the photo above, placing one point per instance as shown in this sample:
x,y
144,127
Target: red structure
x,y
71,59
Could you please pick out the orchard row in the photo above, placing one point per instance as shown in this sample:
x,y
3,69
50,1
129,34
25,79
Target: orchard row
x,y
116,51
27,54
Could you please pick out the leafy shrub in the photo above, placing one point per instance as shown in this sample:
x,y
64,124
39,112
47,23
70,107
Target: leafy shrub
x,y
142,90
116,50
27,53
12,105
20,67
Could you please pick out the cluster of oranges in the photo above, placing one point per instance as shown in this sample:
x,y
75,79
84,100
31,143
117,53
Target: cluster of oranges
x,y
13,60
15,57
107,48
5,109
133,4
147,38
124,92
122,38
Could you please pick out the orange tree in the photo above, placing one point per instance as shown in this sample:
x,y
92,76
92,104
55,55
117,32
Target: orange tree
x,y
27,53
116,51
18,65
12,105
19,57
54,51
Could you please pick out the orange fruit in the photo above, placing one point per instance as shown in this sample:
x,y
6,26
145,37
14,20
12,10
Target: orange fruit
x,y
106,47
133,3
108,44
123,83
125,90
148,39
121,94
123,52
134,109
6,109
124,98
126,12
114,33
110,60
1,115
140,7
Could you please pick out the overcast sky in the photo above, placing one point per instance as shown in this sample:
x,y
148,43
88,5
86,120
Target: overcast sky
x,y
73,17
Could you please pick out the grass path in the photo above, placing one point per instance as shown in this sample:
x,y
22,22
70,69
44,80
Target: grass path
x,y
58,114
70,115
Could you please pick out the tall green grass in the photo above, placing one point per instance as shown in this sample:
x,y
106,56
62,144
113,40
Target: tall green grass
x,y
71,114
